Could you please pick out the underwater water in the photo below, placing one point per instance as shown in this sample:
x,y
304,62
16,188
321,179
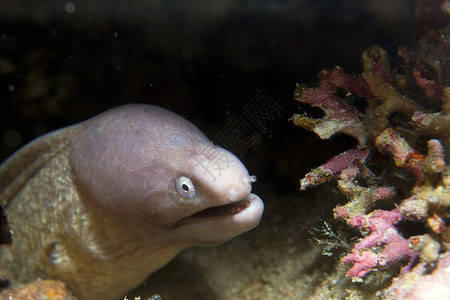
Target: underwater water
x,y
214,63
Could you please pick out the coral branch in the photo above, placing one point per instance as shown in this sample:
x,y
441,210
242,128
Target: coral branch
x,y
382,231
429,203
432,88
339,117
404,156
333,167
435,124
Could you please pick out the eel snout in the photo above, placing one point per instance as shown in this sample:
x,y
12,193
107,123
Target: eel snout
x,y
224,216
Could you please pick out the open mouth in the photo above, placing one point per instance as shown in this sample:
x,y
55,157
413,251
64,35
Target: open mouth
x,y
222,210
216,211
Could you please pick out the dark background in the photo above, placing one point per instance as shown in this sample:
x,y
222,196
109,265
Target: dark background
x,y
62,62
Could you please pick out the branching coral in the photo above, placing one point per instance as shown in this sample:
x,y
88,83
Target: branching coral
x,y
340,117
404,127
382,231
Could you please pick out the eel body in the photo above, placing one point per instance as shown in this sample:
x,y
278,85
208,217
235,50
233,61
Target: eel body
x,y
102,204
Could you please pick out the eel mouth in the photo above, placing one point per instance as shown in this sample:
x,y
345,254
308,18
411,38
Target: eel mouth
x,y
223,210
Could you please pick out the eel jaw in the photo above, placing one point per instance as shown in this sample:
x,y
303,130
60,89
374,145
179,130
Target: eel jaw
x,y
216,225
223,210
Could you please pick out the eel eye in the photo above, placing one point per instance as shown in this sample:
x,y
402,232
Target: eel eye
x,y
185,187
182,191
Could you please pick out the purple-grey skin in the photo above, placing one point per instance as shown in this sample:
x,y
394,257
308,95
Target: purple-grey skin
x,y
102,204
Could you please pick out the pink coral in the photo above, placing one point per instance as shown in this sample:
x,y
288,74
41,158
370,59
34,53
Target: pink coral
x,y
392,134
432,88
340,117
392,147
362,264
333,167
382,231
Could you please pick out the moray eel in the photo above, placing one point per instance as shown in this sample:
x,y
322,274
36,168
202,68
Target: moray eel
x,y
102,204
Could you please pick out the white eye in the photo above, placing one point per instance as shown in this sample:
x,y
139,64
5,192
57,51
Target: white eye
x,y
185,187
